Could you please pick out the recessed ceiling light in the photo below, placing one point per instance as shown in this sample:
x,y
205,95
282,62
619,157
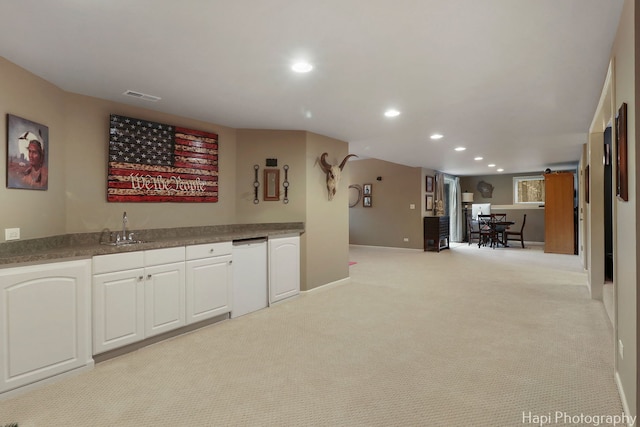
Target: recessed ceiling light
x,y
436,136
500,170
492,165
302,67
392,113
460,148
478,158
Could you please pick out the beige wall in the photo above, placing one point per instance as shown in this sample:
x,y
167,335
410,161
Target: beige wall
x,y
87,124
622,87
390,219
289,147
76,199
253,148
327,222
36,213
325,249
626,239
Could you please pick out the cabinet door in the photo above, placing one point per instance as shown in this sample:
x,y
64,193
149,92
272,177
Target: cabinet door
x,y
284,267
209,288
118,309
45,312
164,298
559,234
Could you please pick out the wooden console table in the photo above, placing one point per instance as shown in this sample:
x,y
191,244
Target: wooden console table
x,y
436,233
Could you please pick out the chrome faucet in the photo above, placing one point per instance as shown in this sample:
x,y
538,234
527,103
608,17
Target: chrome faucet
x,y
124,226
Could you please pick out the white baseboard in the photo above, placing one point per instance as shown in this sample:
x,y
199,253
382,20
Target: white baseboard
x,y
387,248
328,285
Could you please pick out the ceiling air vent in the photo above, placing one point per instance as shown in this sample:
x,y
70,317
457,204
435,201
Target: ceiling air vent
x,y
144,96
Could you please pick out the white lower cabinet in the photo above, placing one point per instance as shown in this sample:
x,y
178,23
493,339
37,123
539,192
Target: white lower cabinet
x,y
284,267
164,293
46,316
118,309
209,281
137,295
140,294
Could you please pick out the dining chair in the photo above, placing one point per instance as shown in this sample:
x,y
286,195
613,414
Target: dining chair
x,y
517,235
499,216
500,228
486,230
474,231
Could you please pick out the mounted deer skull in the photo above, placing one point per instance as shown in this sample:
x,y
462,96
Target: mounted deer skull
x,y
333,173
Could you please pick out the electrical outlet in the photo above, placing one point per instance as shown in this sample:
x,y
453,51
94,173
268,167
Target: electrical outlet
x,y
620,349
406,239
11,233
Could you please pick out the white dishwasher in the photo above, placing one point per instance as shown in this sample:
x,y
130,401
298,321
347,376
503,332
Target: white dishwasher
x,y
249,276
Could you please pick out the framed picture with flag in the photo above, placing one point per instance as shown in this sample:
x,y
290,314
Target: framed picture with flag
x,y
157,162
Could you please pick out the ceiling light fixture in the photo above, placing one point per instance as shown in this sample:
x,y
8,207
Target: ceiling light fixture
x,y
302,67
500,170
478,158
460,148
436,136
392,113
491,165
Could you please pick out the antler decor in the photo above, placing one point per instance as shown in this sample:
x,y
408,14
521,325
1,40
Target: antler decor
x,y
333,173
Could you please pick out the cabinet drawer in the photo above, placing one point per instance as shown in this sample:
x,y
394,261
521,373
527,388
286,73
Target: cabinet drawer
x,y
163,256
209,250
117,262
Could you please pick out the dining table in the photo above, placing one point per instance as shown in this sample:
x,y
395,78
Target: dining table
x,y
498,228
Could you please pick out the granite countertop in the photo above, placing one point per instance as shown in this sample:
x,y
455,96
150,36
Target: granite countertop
x,y
86,245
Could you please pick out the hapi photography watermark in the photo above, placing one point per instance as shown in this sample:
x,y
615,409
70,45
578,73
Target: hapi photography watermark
x,y
565,418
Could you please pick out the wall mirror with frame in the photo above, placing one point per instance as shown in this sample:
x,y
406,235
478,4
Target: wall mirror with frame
x,y
271,184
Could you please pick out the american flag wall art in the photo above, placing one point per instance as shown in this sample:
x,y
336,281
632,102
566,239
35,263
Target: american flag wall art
x,y
156,162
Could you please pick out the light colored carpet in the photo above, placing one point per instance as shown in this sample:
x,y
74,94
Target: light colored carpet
x,y
467,337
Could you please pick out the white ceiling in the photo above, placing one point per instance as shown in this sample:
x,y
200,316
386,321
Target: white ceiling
x,y
516,81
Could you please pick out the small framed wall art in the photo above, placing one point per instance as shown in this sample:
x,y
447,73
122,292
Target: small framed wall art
x,y
366,189
429,202
27,154
586,184
366,201
429,184
271,185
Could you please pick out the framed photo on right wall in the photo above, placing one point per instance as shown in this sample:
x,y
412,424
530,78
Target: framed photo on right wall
x,y
622,174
